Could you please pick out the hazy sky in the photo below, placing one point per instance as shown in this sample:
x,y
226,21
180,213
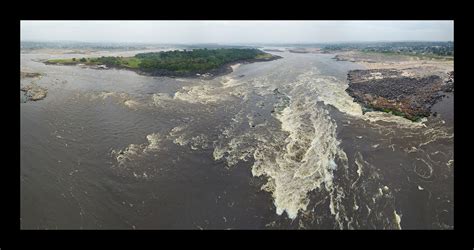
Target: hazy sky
x,y
236,31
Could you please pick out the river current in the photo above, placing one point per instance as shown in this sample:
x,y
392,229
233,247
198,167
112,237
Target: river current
x,y
273,145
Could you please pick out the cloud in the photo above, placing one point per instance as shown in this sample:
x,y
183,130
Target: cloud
x,y
235,31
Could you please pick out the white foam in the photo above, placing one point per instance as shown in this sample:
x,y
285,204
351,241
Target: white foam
x,y
229,82
300,157
306,161
333,92
161,99
328,90
398,219
118,97
181,136
153,142
235,66
132,104
133,151
202,94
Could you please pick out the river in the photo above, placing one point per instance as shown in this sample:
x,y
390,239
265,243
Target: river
x,y
273,145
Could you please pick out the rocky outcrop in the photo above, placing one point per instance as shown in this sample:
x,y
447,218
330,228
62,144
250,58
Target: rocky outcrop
x,y
449,84
28,75
34,92
390,91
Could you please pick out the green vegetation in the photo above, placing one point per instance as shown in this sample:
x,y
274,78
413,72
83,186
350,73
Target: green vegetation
x,y
174,62
430,50
410,54
62,61
264,56
196,61
396,112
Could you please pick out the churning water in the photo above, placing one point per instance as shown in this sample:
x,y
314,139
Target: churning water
x,y
275,144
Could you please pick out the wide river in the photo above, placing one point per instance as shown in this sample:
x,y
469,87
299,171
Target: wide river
x,y
273,145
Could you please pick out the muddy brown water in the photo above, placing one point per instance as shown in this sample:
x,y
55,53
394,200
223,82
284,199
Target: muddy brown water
x,y
110,149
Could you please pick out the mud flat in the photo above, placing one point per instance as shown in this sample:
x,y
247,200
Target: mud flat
x,y
398,84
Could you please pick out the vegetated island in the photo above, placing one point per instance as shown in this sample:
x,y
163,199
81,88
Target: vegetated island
x,y
401,78
177,63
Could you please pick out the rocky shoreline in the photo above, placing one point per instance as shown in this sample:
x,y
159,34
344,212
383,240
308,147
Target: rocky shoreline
x,y
392,91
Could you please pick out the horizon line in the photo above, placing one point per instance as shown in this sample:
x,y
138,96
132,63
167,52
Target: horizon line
x,y
224,43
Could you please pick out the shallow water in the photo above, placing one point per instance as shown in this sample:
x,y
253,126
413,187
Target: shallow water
x,y
282,146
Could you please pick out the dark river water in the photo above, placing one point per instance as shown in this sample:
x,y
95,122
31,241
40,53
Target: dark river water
x,y
273,145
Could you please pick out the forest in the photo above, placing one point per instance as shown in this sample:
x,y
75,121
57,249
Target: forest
x,y
178,62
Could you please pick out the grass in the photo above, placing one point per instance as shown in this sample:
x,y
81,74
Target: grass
x,y
264,56
63,61
130,62
127,62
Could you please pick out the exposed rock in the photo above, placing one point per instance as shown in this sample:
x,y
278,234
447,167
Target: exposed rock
x,y
28,74
34,92
390,90
449,84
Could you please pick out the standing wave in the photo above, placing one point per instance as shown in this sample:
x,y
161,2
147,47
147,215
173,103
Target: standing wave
x,y
306,158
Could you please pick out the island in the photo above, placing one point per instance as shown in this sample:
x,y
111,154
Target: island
x,y
177,63
401,78
390,91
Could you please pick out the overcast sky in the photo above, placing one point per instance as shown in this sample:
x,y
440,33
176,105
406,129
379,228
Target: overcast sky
x,y
236,31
